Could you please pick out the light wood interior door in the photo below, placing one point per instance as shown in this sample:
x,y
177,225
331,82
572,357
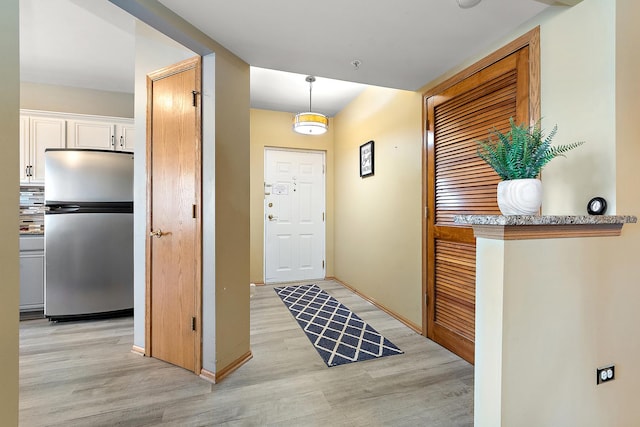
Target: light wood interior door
x,y
174,242
459,182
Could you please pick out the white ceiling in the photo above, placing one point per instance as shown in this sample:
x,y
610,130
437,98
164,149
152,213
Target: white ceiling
x,y
83,43
401,44
283,91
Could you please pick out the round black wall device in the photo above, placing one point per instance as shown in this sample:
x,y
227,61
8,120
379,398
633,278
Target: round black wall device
x,y
597,206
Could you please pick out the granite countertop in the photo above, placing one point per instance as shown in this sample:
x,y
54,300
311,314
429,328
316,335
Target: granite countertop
x,y
544,219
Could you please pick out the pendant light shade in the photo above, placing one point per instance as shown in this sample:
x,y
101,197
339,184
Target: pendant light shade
x,y
310,123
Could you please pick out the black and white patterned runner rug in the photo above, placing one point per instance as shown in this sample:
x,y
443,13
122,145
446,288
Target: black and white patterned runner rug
x,y
336,332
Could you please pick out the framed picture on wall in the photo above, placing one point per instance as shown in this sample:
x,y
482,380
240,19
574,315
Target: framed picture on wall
x,y
366,159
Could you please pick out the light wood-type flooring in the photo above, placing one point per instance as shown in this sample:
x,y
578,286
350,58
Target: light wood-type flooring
x,y
84,374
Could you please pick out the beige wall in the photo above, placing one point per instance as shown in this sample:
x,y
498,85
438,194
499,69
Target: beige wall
x,y
487,399
627,105
576,51
232,171
38,96
10,289
578,93
570,305
225,148
536,366
273,129
618,290
378,218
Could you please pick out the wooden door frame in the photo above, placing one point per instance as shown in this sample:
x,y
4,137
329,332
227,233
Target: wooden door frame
x,y
195,62
531,40
324,204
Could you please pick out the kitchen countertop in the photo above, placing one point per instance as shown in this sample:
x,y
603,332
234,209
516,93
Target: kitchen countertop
x,y
523,227
544,219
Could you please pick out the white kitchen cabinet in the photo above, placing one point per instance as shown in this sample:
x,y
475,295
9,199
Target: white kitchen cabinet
x,y
25,145
106,133
38,133
127,136
40,130
31,273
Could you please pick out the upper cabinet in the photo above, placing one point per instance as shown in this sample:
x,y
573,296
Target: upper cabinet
x,y
100,133
41,130
38,133
25,145
127,135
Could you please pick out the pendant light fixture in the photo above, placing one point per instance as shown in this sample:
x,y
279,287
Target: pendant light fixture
x,y
310,123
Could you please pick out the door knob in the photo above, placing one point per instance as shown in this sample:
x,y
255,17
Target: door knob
x,y
157,233
271,217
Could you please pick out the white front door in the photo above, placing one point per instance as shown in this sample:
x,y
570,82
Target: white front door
x,y
294,215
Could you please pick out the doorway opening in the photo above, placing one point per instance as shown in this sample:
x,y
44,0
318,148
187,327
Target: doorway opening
x,y
174,244
294,215
458,112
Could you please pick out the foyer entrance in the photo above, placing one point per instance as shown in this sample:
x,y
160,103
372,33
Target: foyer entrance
x,y
294,215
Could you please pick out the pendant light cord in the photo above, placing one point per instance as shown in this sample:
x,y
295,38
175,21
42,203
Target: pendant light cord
x,y
310,79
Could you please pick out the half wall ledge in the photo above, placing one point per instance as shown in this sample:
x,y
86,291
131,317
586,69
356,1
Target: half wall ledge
x,y
525,227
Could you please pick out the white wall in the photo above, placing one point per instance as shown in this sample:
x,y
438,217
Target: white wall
x,y
153,51
208,213
39,96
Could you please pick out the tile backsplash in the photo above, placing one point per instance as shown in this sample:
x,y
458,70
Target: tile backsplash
x,y
31,210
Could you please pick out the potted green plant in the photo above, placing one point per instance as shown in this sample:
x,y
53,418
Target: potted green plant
x,y
518,157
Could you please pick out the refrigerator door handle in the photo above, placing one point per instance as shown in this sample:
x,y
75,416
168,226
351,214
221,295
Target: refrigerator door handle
x,y
62,209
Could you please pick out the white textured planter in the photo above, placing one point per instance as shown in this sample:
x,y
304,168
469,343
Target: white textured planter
x,y
520,196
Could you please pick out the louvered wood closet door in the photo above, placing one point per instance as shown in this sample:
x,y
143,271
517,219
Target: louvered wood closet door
x,y
458,182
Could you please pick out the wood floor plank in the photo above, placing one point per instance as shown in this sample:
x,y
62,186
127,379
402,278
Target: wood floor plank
x,y
84,374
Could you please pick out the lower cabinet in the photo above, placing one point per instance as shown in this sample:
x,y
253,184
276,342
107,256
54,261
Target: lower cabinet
x,y
31,274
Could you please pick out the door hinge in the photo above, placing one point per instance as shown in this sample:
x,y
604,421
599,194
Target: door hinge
x,y
193,323
323,169
195,97
426,212
426,299
322,216
322,264
194,210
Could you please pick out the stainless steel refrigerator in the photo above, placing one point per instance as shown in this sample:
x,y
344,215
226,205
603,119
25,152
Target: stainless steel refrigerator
x,y
88,233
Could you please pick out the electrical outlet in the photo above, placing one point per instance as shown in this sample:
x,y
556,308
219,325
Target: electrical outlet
x,y
608,373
